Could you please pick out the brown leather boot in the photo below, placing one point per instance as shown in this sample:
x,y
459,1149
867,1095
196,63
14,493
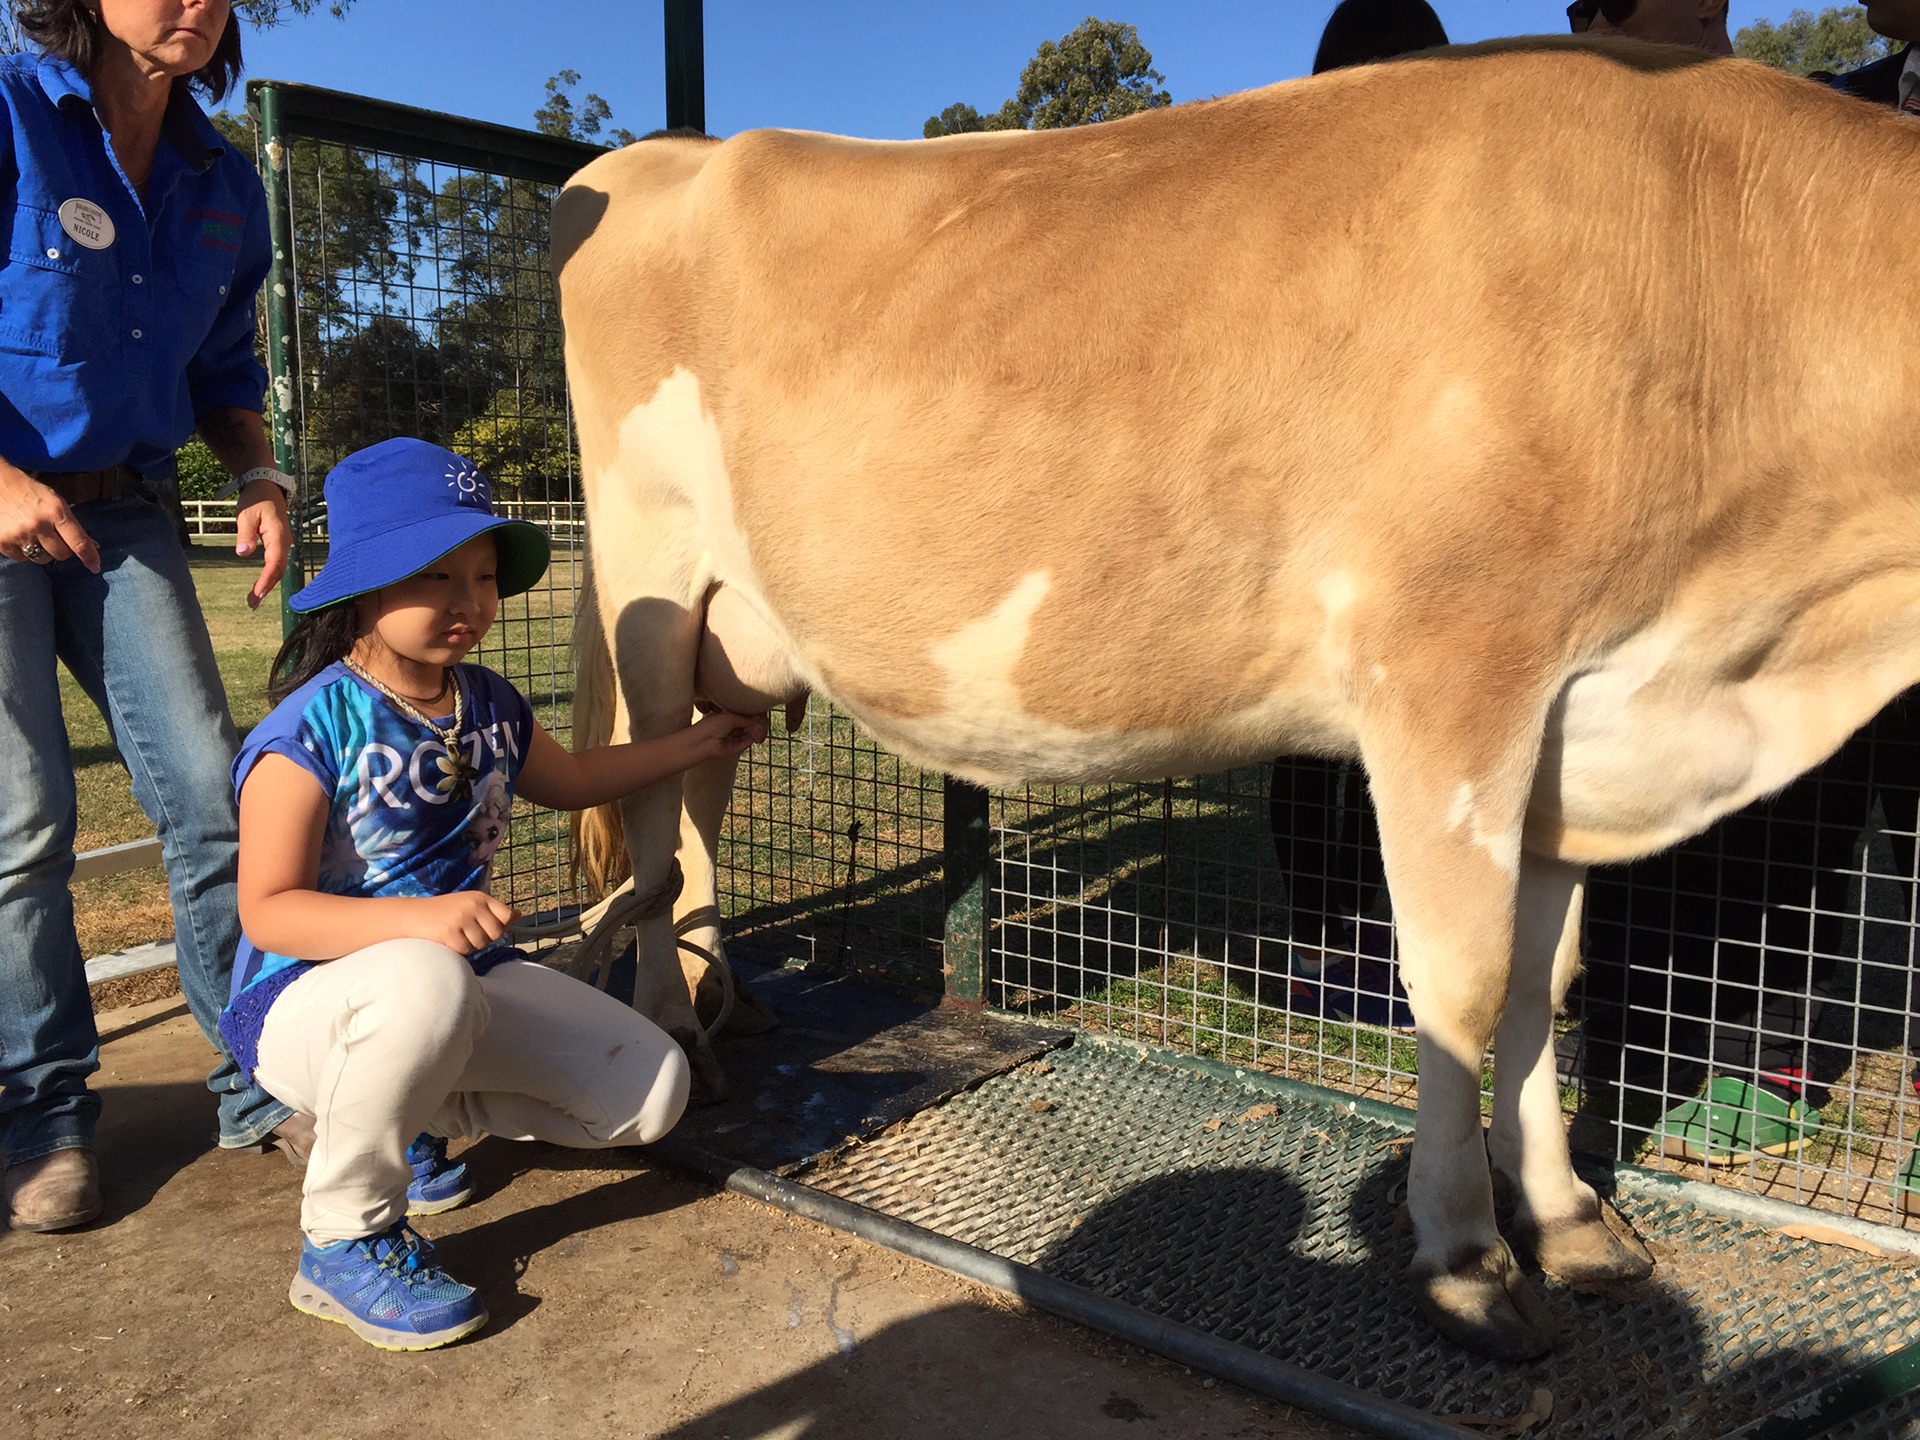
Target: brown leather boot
x,y
54,1192
292,1137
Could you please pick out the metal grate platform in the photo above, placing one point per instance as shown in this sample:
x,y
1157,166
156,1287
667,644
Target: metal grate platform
x,y
1263,1212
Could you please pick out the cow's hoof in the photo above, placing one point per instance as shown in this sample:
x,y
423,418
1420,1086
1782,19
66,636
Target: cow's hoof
x,y
1599,1250
1490,1307
750,1014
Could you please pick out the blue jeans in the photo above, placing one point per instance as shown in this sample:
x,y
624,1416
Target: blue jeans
x,y
135,640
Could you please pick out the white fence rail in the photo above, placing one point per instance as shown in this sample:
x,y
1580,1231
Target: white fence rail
x,y
564,520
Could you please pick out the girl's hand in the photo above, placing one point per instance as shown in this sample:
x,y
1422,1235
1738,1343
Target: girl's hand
x,y
466,921
723,733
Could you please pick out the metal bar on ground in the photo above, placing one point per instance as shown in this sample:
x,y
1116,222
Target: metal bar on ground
x,y
1182,1344
966,855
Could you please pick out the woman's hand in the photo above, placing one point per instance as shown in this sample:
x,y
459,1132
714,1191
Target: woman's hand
x,y
466,921
263,522
724,733
32,514
238,439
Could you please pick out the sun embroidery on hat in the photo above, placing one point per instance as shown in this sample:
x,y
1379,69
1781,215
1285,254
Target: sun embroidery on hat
x,y
469,486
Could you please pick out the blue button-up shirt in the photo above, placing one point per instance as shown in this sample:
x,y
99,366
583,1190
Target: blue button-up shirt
x,y
108,355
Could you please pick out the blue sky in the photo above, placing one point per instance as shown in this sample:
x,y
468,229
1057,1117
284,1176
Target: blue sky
x,y
856,67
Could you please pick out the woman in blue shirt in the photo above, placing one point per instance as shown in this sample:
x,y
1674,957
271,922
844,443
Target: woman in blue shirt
x,y
136,243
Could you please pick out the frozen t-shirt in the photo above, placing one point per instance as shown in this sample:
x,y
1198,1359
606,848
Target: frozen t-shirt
x,y
403,819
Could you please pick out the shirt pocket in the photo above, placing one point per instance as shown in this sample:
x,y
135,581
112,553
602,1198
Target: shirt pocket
x,y
57,297
205,252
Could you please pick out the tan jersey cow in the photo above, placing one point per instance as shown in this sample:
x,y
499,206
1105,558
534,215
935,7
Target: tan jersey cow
x,y
1534,422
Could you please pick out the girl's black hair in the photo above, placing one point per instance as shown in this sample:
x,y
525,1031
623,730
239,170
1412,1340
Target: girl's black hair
x,y
72,30
318,638
1362,31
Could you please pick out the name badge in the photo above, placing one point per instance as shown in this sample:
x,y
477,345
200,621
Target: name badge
x,y
87,223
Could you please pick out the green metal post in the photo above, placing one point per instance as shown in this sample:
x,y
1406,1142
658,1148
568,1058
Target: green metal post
x,y
966,855
686,67
283,353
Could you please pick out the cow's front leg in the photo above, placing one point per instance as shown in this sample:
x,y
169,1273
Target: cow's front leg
x,y
1449,832
654,642
1574,1234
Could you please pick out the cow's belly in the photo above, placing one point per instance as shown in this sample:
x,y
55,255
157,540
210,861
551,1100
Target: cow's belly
x,y
1651,746
1624,775
993,710
998,744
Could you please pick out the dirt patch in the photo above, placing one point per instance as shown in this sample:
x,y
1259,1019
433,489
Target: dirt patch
x,y
142,989
626,1302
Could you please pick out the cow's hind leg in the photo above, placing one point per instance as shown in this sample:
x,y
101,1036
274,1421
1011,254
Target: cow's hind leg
x,y
1450,820
1571,1232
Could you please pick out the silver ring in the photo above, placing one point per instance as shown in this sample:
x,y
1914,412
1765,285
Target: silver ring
x,y
35,552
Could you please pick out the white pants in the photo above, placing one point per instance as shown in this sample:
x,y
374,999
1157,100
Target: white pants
x,y
402,1037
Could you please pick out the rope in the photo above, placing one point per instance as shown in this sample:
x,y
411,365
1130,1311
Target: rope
x,y
623,910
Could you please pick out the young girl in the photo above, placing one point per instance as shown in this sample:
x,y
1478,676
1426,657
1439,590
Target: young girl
x,y
372,991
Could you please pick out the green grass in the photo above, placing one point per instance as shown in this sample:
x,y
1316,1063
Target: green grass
x,y
1196,1008
132,909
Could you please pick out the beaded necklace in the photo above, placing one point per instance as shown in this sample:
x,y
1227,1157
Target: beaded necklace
x,y
459,770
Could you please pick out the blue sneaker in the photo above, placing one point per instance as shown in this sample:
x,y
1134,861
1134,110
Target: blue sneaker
x,y
436,1186
384,1290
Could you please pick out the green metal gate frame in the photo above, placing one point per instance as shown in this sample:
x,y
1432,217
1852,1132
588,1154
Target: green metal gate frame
x,y
284,112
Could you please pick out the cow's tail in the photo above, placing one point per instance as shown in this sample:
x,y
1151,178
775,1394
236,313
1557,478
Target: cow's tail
x,y
599,843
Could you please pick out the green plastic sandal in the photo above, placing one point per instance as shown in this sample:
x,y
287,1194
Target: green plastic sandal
x,y
1736,1121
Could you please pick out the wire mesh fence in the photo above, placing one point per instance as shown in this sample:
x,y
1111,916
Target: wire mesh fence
x,y
423,306
1744,1015
1746,1006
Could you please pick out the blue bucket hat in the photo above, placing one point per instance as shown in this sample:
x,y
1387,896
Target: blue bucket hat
x,y
396,507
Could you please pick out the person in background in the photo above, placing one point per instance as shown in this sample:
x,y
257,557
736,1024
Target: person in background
x,y
1895,80
1701,24
138,246
1359,32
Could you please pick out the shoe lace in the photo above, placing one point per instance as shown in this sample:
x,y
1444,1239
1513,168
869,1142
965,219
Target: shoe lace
x,y
404,1254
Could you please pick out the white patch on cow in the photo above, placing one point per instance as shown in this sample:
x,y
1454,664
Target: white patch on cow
x,y
1337,591
669,484
1502,846
979,658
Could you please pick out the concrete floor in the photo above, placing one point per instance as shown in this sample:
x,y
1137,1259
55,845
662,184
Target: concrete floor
x,y
626,1301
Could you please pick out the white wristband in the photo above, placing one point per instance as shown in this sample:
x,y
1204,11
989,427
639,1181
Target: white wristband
x,y
259,472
